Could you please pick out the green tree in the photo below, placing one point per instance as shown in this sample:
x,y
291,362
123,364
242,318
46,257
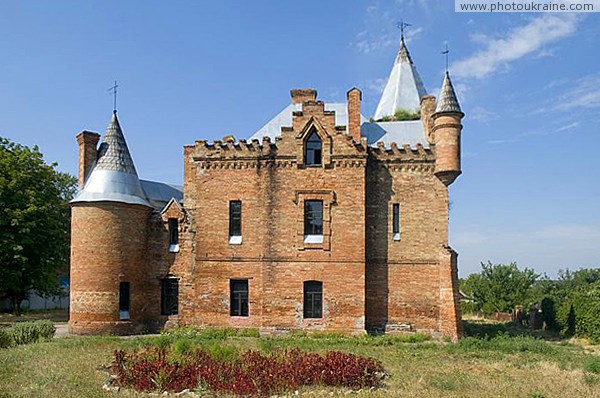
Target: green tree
x,y
499,287
34,222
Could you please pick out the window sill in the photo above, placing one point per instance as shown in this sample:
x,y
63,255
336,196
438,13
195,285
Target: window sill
x,y
396,237
313,238
174,248
235,240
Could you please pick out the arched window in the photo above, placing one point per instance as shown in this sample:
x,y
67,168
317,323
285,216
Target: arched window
x,y
313,150
313,299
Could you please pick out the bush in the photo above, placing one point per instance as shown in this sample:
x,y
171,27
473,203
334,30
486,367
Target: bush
x,y
32,332
6,339
249,374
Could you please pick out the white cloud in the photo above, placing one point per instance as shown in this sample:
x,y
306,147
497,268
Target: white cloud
x,y
522,41
500,142
570,95
567,127
481,114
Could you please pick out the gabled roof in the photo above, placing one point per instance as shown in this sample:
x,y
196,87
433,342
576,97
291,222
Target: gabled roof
x,y
113,178
404,88
400,132
284,118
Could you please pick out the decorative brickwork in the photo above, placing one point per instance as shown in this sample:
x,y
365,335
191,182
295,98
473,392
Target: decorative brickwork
x,y
377,272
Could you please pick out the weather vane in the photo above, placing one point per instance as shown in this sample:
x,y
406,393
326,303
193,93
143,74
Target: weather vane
x,y
446,52
113,91
401,25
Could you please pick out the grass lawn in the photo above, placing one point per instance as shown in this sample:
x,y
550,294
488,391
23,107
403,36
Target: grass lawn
x,y
7,319
508,365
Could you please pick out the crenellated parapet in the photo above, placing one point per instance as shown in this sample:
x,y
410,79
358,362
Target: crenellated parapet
x,y
339,148
404,158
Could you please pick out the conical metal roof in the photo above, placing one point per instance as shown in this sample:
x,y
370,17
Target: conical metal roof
x,y
113,178
447,101
404,88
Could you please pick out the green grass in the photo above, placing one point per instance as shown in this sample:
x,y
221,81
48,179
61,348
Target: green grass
x,y
496,364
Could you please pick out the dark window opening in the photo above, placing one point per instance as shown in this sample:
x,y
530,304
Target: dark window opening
x,y
235,218
313,150
396,221
239,297
313,217
169,298
313,299
124,300
173,231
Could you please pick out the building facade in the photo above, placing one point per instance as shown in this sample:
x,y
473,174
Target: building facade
x,y
321,220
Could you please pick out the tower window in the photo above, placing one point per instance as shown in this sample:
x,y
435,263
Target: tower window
x,y
313,221
313,150
169,298
239,297
235,222
173,235
396,221
313,299
124,300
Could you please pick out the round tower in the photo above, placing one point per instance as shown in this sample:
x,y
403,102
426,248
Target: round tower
x,y
108,240
446,133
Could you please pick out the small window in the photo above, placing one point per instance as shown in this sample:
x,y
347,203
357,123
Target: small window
x,y
239,297
313,150
313,221
124,300
313,299
173,235
235,222
396,221
169,298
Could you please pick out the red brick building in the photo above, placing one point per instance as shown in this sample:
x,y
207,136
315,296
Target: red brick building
x,y
321,220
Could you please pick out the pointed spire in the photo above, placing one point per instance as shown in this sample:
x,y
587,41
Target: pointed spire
x,y
447,101
114,177
113,153
404,88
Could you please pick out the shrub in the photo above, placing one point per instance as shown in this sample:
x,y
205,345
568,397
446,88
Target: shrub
x,y
249,374
32,332
6,339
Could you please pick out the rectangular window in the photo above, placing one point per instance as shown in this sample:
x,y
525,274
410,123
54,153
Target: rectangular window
x,y
124,300
239,297
396,221
313,221
313,299
169,299
235,222
173,235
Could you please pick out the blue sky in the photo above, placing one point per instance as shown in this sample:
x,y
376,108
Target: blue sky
x,y
529,84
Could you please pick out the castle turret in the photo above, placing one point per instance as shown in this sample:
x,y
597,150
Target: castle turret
x,y
446,133
108,241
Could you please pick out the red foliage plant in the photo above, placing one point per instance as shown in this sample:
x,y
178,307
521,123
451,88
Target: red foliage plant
x,y
251,374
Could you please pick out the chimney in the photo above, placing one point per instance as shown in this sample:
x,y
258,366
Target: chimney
x,y
301,95
354,97
88,154
427,111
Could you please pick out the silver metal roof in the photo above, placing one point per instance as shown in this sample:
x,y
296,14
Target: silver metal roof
x,y
404,88
113,178
409,132
285,119
401,132
447,101
159,193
